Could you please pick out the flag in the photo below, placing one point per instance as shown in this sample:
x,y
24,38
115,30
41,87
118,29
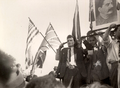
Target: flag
x,y
91,12
40,57
32,32
51,40
32,44
76,32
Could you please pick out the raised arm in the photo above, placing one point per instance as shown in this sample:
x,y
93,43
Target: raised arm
x,y
107,33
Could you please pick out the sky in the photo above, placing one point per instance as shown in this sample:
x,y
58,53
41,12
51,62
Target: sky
x,y
14,22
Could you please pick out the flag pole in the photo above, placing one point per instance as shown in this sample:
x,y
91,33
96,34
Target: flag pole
x,y
91,25
33,66
76,32
56,33
29,31
47,42
31,21
76,1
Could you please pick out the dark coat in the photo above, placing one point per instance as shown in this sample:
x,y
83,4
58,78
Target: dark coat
x,y
79,62
97,72
101,71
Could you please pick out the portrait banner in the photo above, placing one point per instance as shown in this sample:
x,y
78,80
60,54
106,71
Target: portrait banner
x,y
106,13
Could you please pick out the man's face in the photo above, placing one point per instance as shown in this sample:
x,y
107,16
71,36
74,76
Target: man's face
x,y
107,7
70,42
117,33
92,40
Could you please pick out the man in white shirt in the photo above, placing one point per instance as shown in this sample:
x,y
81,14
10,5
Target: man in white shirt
x,y
113,57
71,64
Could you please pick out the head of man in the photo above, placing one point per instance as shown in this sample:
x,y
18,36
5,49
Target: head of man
x,y
92,40
105,8
117,32
97,85
7,66
46,81
70,41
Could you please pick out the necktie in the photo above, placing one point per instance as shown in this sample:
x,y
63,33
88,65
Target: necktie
x,y
70,55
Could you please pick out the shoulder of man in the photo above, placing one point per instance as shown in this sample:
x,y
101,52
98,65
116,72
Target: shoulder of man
x,y
64,49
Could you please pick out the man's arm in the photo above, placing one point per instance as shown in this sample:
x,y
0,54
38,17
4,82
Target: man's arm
x,y
59,56
106,39
107,33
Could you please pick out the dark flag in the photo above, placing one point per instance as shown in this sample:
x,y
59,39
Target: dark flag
x,y
76,32
91,12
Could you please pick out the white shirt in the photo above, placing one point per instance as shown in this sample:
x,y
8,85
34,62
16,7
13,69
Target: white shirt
x,y
112,49
72,62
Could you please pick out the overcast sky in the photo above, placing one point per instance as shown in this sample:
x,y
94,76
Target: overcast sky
x,y
14,21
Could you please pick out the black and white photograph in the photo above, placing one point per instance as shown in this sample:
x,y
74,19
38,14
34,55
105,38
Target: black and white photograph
x,y
59,44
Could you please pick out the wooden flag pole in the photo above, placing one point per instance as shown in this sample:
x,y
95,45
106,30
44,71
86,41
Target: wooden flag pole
x,y
47,42
91,25
33,66
55,33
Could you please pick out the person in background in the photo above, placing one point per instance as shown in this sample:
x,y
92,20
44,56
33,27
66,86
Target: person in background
x,y
10,77
71,64
54,73
113,57
96,85
19,67
97,67
47,81
91,45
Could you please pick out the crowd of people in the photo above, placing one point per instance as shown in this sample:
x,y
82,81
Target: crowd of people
x,y
97,62
12,76
96,65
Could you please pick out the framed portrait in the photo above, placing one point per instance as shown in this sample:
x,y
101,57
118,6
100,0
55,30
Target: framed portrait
x,y
105,13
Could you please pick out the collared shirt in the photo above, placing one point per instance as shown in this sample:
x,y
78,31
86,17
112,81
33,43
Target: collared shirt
x,y
112,49
72,57
113,54
72,62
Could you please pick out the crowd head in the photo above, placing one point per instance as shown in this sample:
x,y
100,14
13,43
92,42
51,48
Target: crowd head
x,y
117,32
47,81
96,85
7,65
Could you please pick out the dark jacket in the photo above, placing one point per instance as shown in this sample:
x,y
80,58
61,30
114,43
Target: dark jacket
x,y
102,71
97,72
79,61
